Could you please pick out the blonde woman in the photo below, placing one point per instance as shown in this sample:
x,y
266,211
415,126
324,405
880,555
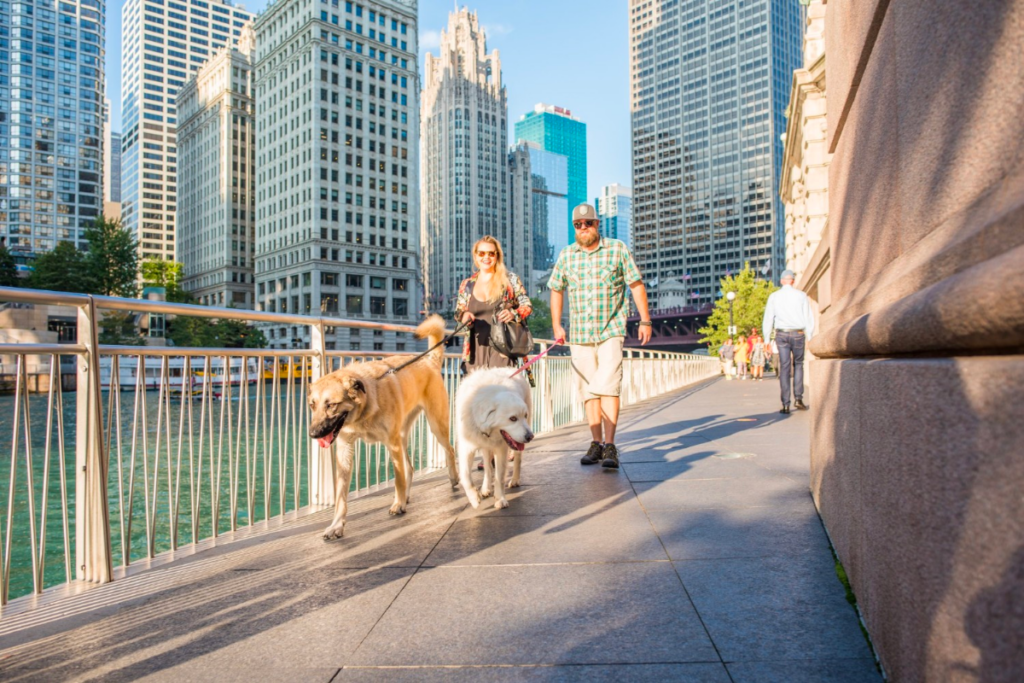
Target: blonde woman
x,y
490,292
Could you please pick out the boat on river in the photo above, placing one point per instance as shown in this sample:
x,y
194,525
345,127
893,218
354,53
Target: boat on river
x,y
178,378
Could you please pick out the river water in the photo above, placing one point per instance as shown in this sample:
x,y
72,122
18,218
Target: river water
x,y
235,467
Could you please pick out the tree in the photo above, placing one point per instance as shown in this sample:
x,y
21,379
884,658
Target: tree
x,y
63,269
118,327
8,269
748,307
113,258
221,334
539,321
166,274
229,333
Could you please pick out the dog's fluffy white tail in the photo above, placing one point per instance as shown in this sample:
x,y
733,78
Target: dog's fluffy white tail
x,y
433,330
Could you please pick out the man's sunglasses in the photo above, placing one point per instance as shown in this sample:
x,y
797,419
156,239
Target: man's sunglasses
x,y
584,224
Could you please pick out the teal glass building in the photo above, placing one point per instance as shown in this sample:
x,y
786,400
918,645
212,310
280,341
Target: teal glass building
x,y
556,130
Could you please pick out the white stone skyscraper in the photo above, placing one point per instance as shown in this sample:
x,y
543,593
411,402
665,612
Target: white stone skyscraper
x,y
216,215
336,156
163,44
51,118
465,181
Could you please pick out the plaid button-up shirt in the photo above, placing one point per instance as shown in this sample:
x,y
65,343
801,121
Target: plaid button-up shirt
x,y
597,284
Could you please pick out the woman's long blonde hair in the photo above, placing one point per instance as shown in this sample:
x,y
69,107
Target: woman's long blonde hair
x,y
500,277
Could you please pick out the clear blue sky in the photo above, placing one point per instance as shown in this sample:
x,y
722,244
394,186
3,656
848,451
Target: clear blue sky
x,y
571,54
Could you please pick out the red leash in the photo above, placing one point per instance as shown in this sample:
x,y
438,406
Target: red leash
x,y
538,356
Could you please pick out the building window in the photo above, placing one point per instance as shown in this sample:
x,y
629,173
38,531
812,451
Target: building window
x,y
354,304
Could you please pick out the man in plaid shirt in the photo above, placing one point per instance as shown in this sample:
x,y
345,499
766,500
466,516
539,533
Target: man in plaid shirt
x,y
596,271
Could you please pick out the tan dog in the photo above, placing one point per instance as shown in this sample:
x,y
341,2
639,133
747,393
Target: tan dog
x,y
356,402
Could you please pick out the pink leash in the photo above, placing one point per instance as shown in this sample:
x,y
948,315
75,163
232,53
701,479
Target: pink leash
x,y
538,356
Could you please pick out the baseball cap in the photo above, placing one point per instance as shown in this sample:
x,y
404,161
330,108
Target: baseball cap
x,y
584,212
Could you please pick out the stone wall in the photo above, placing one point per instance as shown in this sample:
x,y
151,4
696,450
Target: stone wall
x,y
917,456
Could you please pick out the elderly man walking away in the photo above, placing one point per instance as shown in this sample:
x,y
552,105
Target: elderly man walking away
x,y
596,270
788,313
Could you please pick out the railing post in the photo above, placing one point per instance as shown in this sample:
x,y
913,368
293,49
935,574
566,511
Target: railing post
x,y
321,467
93,560
547,400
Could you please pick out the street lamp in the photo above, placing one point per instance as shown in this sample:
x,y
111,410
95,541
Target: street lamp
x,y
731,296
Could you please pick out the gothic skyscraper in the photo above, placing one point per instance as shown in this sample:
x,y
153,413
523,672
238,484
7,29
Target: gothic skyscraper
x,y
465,183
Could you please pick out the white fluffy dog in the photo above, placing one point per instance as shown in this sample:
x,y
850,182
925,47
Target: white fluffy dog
x,y
493,411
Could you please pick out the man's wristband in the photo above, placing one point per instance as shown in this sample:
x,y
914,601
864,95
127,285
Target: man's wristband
x,y
646,323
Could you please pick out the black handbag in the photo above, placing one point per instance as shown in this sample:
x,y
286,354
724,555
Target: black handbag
x,y
512,340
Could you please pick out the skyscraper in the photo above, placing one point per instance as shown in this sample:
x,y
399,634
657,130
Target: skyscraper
x,y
337,167
51,113
615,209
549,190
519,249
112,169
163,44
465,156
556,130
709,88
215,227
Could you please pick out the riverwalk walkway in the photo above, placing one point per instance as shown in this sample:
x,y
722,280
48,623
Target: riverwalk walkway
x,y
702,559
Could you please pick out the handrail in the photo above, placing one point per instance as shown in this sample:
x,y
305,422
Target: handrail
x,y
169,453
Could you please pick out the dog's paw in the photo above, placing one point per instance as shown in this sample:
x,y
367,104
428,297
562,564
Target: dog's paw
x,y
500,503
474,498
396,509
486,493
513,483
333,533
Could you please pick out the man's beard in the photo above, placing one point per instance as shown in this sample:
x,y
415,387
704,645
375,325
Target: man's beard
x,y
588,238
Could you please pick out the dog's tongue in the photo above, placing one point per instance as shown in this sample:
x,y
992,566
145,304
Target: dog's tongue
x,y
326,441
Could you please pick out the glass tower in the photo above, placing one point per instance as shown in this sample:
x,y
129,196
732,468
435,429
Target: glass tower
x,y
549,187
709,87
615,209
51,121
164,44
556,130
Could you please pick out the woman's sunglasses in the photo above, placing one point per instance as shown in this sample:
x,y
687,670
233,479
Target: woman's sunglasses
x,y
486,254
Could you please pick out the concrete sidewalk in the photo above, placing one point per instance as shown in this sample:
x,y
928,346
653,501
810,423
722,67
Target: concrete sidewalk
x,y
702,559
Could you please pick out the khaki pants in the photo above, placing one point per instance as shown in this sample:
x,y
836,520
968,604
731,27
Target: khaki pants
x,y
597,368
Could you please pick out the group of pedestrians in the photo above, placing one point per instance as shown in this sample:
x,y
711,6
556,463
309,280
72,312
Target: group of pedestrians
x,y
747,358
596,272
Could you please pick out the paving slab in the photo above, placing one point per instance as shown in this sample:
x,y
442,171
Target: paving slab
x,y
769,491
615,530
554,614
806,671
739,532
768,608
569,673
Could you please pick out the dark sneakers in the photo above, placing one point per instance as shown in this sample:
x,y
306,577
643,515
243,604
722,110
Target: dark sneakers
x,y
800,405
594,454
611,457
785,409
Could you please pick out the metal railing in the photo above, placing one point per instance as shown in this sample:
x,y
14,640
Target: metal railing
x,y
174,446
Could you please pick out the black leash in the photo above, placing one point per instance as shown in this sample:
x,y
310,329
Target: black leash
x,y
392,371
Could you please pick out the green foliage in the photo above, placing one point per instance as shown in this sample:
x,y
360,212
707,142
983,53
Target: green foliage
x,y
166,274
8,269
539,321
63,269
748,307
113,258
221,334
118,327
